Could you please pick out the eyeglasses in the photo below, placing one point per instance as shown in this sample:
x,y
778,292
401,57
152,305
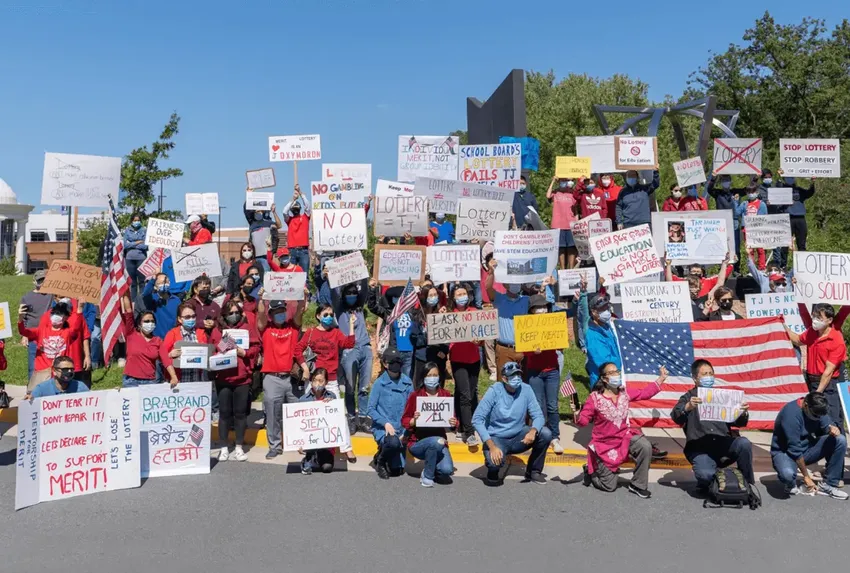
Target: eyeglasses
x,y
726,300
64,370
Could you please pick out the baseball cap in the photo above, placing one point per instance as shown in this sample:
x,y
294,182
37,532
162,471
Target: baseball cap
x,y
441,215
193,219
537,300
510,369
276,304
599,301
39,275
391,355
282,251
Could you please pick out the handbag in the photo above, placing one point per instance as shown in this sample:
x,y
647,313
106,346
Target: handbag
x,y
5,402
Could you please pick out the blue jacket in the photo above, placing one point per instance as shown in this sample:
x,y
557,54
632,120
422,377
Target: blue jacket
x,y
387,400
445,231
168,270
308,395
522,201
601,345
725,198
741,210
164,309
794,432
501,414
342,311
133,251
633,203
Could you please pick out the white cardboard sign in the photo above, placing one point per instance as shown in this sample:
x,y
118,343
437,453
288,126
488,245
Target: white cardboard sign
x,y
349,173
698,238
313,425
525,256
347,269
339,194
498,164
622,256
386,188
600,149
432,156
259,200
284,286
810,157
636,152
719,405
396,216
768,231
737,156
780,195
776,304
822,277
448,327
80,180
481,219
569,280
295,147
260,178
657,302
689,172
192,262
202,203
339,229
453,263
434,411
165,234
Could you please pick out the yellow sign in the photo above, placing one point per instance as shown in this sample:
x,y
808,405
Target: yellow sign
x,y
572,167
541,332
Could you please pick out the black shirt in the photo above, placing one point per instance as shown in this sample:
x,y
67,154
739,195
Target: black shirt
x,y
699,434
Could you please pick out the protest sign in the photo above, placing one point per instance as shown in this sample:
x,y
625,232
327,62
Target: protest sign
x,y
453,263
600,150
822,277
284,286
486,192
662,226
584,229
480,219
572,167
844,395
735,156
349,173
635,152
224,361
77,444
496,164
447,327
5,321
313,425
75,280
810,157
434,411
192,262
541,332
689,172
615,292
339,229
768,231
780,196
395,264
776,304
386,188
339,194
259,237
175,429
153,263
625,255
719,405
259,201
202,203
396,216
79,180
698,238
442,194
240,335
569,281
295,147
165,234
194,356
657,302
432,156
525,256
260,178
347,269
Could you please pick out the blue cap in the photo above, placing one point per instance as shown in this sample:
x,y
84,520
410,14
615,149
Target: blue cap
x,y
510,369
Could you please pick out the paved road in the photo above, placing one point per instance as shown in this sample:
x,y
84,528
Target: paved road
x,y
256,517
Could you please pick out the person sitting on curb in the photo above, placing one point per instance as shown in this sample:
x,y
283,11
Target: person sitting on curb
x,y
386,405
804,434
709,444
500,421
322,459
62,382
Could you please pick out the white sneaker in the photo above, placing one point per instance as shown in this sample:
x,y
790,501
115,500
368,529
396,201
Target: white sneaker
x,y
239,455
831,491
122,362
222,455
557,447
796,490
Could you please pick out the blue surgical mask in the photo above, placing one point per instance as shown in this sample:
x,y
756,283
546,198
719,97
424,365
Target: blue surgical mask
x,y
279,318
752,196
350,299
432,300
789,180
163,288
285,261
767,180
137,224
327,321
515,381
726,184
605,316
562,184
432,382
189,323
706,381
258,216
590,187
631,181
513,289
615,381
462,300
522,188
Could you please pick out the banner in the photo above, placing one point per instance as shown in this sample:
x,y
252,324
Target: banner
x,y
810,157
338,194
260,178
525,256
295,147
737,156
657,302
635,152
496,164
192,262
202,203
75,280
541,332
776,304
442,194
689,172
259,201
780,196
395,216
625,255
5,321
165,234
284,286
661,231
697,238
615,291
572,167
569,281
77,444
394,189
480,219
453,263
349,173
339,229
175,429
584,229
434,411
79,180
719,405
448,327
768,231
313,425
487,192
432,156
821,277
153,263
395,264
347,269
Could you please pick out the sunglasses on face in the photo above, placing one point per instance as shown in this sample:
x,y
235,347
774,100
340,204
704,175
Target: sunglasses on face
x,y
64,370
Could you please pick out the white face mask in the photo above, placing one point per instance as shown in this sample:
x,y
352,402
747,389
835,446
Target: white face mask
x,y
818,324
148,327
677,194
606,181
56,319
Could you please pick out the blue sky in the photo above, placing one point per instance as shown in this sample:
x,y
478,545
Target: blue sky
x,y
102,77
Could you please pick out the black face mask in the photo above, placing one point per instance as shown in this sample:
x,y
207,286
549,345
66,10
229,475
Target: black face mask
x,y
204,293
394,368
64,375
725,304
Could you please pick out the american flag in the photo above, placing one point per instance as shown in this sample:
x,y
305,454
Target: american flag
x,y
567,388
406,301
750,355
226,344
114,284
196,435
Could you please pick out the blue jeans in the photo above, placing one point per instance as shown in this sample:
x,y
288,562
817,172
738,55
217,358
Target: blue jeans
x,y
514,445
407,363
546,386
706,460
32,347
476,295
356,363
391,452
435,452
96,346
137,279
827,447
130,382
301,257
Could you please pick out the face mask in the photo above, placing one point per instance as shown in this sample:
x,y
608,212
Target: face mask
x,y
605,316
163,288
350,299
64,375
767,180
571,184
522,188
204,293
789,180
818,324
246,288
148,327
753,196
462,300
514,381
725,304
137,224
258,216
631,181
56,319
255,277
606,181
562,184
780,288
318,389
247,254
285,261
65,300
327,321
615,381
188,323
233,318
677,194
394,367
706,381
432,382
432,300
726,184
513,289
441,219
194,227
590,187
279,318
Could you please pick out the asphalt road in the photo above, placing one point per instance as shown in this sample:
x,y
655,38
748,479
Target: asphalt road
x,y
256,517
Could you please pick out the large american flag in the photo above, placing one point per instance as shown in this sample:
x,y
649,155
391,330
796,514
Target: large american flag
x,y
406,301
750,355
114,283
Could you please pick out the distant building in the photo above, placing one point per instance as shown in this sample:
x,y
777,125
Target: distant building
x,y
13,219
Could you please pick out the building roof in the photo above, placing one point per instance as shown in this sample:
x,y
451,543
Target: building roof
x,y
7,196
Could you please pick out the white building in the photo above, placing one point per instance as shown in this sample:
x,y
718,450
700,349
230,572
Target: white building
x,y
13,219
52,225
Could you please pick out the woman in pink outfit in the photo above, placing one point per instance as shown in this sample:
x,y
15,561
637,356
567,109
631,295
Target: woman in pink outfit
x,y
613,439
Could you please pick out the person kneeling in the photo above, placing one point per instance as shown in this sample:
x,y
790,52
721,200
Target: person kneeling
x,y
386,405
709,445
322,459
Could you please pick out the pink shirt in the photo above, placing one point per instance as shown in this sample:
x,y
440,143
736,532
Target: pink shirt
x,y
563,203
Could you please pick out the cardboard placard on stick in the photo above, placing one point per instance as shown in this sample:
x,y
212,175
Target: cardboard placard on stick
x,y
635,152
164,234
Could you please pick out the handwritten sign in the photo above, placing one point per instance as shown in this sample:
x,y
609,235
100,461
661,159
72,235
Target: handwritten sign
x,y
447,327
572,167
584,229
600,150
339,229
313,425
821,277
349,173
165,234
394,189
153,262
260,178
192,262
396,216
75,280
486,192
259,201
295,147
698,238
776,304
434,411
657,302
453,263
339,194
525,256
442,194
810,157
635,152
347,269
780,195
480,219
663,228
541,332
77,444
736,156
498,164
719,405
395,264
284,286
239,336
175,429
5,321
202,203
79,180
625,255
768,231
433,156
689,172
569,280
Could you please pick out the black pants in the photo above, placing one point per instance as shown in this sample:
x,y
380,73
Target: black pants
x,y
466,393
319,460
799,230
831,395
234,403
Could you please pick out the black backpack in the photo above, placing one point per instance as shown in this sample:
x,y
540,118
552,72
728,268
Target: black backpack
x,y
730,489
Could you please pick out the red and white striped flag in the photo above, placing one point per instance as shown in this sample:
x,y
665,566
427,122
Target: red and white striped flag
x,y
567,388
406,301
114,283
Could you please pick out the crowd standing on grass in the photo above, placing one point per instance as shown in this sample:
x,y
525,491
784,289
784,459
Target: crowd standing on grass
x,y
520,411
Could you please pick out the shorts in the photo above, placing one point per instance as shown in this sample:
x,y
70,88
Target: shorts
x,y
566,239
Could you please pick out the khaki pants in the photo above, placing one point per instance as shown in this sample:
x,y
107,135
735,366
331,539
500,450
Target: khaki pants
x,y
490,357
506,354
640,450
38,377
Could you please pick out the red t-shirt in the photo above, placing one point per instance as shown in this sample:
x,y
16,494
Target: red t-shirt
x,y
298,234
819,351
77,322
142,354
563,203
279,347
203,237
544,362
464,352
51,343
326,344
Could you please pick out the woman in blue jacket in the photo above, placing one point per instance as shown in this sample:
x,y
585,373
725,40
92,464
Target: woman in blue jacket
x,y
135,253
386,405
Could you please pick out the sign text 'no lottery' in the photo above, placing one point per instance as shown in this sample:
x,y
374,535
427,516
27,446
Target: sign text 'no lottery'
x,y
339,229
735,156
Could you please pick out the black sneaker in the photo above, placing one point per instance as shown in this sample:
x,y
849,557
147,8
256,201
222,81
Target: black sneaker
x,y
641,493
306,470
365,425
658,454
535,477
493,478
585,478
272,454
352,426
383,470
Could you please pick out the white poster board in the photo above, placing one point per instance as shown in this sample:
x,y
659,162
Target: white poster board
x,y
822,277
224,361
80,180
768,231
689,172
776,304
697,238
165,234
737,156
584,229
338,194
258,239
434,411
349,173
347,269
525,256
448,327
635,152
396,216
600,149
239,335
625,255
192,262
569,280
480,219
433,156
313,425
202,203
660,229
719,405
260,178
453,263
386,188
284,286
259,200
657,302
780,195
394,265
442,194
295,147
486,192
810,157
5,321
339,229
498,164
193,356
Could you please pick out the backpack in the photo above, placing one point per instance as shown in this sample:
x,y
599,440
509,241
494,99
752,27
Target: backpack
x,y
730,489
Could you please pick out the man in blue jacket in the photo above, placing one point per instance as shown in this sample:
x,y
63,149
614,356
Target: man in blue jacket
x,y
633,200
600,340
386,406
162,302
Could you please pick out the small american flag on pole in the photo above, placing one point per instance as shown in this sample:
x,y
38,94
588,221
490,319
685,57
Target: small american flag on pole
x,y
114,283
196,435
567,388
226,344
406,301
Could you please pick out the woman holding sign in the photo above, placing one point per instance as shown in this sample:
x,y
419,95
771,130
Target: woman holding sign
x,y
466,365
185,331
564,207
53,337
135,252
431,301
142,346
238,270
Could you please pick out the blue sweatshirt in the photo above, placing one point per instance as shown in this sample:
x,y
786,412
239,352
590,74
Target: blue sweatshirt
x,y
163,308
387,400
445,231
132,250
600,343
343,310
741,210
633,203
794,432
522,201
501,414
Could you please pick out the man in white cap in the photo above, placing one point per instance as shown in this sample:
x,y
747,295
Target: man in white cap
x,y
198,234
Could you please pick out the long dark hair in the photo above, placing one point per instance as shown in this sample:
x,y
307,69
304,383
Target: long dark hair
x,y
225,310
600,385
420,377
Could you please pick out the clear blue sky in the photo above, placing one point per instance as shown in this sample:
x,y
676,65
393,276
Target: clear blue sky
x,y
101,77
